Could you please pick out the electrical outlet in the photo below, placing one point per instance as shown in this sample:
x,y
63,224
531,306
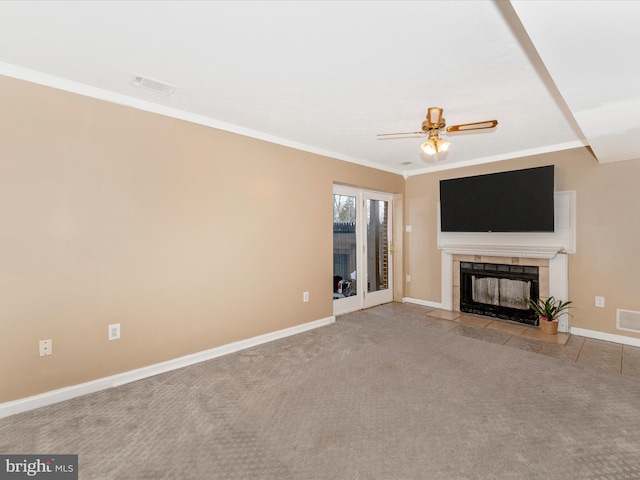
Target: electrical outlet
x,y
600,302
408,278
305,296
114,331
46,347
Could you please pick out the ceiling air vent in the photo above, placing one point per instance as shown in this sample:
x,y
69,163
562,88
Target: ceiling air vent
x,y
150,84
406,163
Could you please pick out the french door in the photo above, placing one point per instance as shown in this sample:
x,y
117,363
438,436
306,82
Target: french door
x,y
361,249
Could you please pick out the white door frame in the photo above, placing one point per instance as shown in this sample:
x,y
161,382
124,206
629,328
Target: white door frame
x,y
364,299
379,297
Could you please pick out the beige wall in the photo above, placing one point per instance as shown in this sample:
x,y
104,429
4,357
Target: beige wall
x,y
608,233
187,236
191,237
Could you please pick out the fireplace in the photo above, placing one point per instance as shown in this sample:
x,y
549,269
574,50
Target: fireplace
x,y
499,290
500,284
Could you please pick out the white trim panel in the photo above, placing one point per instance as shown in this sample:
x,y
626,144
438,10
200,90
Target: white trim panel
x,y
417,301
67,393
608,337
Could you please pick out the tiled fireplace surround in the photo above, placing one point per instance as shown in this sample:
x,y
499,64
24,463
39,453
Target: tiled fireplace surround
x,y
541,263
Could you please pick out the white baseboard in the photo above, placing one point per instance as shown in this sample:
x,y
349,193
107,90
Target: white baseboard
x,y
417,301
609,337
48,398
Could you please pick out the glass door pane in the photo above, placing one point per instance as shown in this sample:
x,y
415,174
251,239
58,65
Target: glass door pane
x,y
378,263
377,245
345,246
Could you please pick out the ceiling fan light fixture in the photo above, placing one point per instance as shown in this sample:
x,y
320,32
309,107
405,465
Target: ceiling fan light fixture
x,y
442,145
434,144
429,147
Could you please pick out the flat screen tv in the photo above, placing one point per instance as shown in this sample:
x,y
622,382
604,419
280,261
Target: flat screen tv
x,y
514,201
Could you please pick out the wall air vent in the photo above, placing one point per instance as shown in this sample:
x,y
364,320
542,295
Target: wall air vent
x,y
150,84
628,320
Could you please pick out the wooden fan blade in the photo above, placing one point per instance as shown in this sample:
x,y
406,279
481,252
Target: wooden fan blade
x,y
472,126
401,133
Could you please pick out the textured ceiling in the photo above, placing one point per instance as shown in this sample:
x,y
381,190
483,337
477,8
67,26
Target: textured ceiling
x,y
326,77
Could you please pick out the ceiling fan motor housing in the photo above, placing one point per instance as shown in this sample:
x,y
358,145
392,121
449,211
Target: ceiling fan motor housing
x,y
427,125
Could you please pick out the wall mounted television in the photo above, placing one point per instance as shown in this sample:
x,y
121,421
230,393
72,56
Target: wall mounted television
x,y
513,201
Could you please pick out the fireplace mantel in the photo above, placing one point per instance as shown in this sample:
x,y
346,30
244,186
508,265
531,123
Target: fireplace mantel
x,y
503,250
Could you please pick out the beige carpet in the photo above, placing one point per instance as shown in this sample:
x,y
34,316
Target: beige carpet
x,y
378,395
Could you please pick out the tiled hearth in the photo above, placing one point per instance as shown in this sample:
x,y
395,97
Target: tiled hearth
x,y
605,356
589,352
486,326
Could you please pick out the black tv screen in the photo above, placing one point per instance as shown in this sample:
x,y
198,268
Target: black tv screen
x,y
515,201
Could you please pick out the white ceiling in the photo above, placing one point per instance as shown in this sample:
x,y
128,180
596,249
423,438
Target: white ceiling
x,y
326,77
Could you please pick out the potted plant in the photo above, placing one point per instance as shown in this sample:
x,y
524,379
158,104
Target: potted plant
x,y
548,312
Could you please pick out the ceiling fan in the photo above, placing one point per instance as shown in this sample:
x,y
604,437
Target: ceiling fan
x,y
434,124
